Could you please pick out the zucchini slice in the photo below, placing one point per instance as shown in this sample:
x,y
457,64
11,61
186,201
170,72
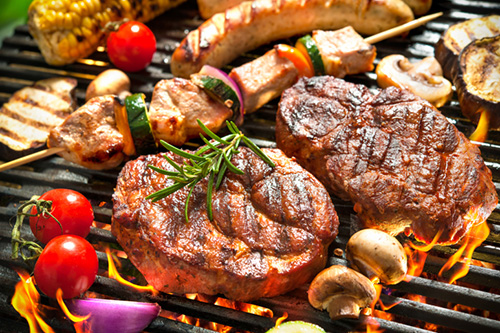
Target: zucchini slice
x,y
296,327
308,46
140,127
218,85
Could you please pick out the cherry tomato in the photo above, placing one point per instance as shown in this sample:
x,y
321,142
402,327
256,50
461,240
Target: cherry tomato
x,y
132,46
72,210
68,262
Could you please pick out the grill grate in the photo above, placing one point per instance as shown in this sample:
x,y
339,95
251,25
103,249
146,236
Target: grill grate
x,y
21,64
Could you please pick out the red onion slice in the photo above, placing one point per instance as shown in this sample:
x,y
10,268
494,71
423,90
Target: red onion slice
x,y
221,75
109,316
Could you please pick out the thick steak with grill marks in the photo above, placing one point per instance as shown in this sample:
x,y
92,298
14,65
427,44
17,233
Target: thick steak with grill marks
x,y
394,155
270,233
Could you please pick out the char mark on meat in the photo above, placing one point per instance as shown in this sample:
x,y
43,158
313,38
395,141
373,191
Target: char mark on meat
x,y
270,232
394,155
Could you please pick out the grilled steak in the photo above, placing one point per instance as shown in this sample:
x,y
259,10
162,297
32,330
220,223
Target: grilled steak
x,y
396,157
270,232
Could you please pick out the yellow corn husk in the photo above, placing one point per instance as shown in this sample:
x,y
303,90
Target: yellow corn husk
x,y
68,30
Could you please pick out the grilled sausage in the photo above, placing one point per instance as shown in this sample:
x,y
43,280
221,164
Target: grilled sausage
x,y
250,24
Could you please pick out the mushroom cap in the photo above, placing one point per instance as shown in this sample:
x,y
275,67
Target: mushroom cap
x,y
423,78
376,254
342,291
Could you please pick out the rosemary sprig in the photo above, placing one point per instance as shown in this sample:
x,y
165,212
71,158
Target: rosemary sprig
x,y
211,160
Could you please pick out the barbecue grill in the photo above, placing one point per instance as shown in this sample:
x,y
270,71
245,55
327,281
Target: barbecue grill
x,y
471,305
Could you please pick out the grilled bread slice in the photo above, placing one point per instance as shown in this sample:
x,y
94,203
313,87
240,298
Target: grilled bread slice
x,y
29,115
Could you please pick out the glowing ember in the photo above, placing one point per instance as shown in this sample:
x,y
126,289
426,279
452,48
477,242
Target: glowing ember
x,y
473,239
113,274
26,301
481,132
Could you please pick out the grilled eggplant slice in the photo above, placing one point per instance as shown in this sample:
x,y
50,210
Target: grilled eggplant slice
x,y
458,36
31,112
476,80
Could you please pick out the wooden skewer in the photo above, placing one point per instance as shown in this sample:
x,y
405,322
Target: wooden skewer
x,y
371,40
30,158
402,28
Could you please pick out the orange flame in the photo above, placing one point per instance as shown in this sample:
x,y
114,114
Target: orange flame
x,y
281,319
113,273
416,261
475,237
481,132
26,301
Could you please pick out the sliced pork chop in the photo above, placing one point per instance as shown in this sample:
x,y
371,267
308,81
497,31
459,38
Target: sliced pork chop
x,y
393,154
31,112
270,232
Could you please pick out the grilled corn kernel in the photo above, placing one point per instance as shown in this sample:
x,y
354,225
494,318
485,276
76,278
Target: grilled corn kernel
x,y
61,17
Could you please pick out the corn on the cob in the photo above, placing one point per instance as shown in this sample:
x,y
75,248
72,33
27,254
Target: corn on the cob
x,y
67,30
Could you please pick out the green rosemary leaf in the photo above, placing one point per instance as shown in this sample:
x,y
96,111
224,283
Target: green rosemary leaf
x,y
217,164
181,152
231,166
212,134
212,160
258,151
173,163
210,186
163,171
232,127
210,145
220,176
186,206
158,195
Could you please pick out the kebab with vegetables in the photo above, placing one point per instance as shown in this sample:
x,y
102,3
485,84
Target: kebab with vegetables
x,y
177,103
212,96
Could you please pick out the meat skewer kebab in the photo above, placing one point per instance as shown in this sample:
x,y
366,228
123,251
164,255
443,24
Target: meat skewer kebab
x,y
181,91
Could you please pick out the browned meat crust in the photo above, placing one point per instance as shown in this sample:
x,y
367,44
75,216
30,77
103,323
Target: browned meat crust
x,y
393,155
270,234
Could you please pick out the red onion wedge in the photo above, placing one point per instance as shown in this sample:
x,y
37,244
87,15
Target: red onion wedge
x,y
109,316
221,75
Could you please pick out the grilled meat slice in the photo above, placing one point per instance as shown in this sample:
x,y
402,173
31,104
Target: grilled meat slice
x,y
264,79
29,115
270,233
90,135
344,52
396,157
175,106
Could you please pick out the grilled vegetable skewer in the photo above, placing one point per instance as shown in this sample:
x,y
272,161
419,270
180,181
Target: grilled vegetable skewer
x,y
176,104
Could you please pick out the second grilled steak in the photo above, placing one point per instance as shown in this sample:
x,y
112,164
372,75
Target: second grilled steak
x,y
270,232
394,155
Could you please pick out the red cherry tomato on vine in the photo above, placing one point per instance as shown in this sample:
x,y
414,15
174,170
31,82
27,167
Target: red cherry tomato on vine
x,y
73,211
132,46
68,262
